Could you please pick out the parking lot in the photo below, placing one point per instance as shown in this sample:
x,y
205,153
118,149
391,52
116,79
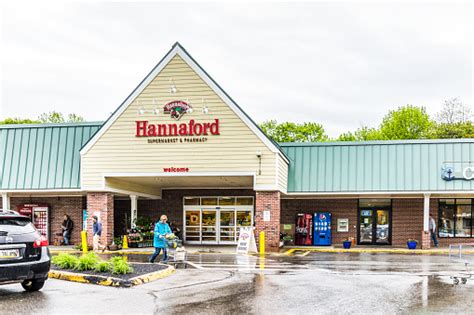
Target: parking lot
x,y
304,282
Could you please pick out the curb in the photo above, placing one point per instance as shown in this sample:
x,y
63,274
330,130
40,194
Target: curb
x,y
111,281
370,250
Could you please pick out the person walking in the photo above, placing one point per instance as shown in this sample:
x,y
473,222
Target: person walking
x,y
162,229
433,231
97,232
67,226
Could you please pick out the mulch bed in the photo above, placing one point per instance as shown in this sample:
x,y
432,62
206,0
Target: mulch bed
x,y
138,270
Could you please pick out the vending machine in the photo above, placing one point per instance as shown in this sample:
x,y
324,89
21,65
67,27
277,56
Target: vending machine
x,y
322,229
304,229
39,215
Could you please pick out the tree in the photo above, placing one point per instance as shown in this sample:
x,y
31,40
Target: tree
x,y
56,118
453,111
364,133
15,121
293,132
406,122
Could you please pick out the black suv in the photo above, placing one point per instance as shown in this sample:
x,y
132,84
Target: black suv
x,y
24,253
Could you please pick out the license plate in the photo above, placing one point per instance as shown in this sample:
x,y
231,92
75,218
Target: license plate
x,y
9,253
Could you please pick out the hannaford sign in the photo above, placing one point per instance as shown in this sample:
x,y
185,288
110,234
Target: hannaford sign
x,y
192,128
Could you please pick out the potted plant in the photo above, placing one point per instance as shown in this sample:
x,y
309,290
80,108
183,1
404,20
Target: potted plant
x,y
347,243
411,243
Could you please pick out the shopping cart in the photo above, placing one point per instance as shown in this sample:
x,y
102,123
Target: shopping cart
x,y
178,252
461,253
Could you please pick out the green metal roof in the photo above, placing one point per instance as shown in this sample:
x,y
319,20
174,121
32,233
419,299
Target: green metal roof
x,y
395,166
42,156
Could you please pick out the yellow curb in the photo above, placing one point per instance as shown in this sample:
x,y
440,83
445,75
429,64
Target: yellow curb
x,y
149,277
68,276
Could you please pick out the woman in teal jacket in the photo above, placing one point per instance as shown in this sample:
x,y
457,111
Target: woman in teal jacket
x,y
159,240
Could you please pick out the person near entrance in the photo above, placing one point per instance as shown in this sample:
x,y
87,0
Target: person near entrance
x,y
97,232
162,229
67,226
433,231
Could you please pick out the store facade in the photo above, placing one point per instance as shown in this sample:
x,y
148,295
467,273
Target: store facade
x,y
180,145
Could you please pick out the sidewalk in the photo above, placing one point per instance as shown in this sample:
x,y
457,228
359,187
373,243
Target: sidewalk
x,y
288,250
193,249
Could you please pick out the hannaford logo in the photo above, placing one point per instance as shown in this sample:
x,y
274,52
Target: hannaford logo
x,y
192,128
177,109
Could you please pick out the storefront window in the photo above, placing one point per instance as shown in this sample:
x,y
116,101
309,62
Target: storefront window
x,y
226,201
455,218
207,201
244,201
191,201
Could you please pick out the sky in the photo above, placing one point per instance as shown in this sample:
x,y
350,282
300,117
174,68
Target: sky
x,y
343,65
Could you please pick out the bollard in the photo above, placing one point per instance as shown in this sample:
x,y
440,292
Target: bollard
x,y
84,241
262,243
125,242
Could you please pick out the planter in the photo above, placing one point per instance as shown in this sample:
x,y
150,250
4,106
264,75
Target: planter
x,y
347,244
411,245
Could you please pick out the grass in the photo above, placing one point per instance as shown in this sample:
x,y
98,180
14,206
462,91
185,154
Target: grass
x,y
65,261
87,262
117,264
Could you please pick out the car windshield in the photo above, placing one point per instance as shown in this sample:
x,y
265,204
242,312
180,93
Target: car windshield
x,y
16,225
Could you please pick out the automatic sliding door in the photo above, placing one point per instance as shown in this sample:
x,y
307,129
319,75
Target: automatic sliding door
x,y
227,226
209,226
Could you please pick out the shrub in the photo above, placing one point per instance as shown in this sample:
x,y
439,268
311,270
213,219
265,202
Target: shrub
x,y
87,262
120,266
65,261
103,266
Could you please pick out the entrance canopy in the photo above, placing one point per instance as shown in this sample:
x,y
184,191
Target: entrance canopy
x,y
151,184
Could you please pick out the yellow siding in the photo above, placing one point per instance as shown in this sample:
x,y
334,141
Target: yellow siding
x,y
234,150
282,174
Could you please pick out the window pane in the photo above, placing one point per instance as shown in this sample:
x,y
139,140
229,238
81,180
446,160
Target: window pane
x,y
446,201
244,218
226,201
244,201
446,221
193,218
209,201
463,221
190,201
364,203
463,201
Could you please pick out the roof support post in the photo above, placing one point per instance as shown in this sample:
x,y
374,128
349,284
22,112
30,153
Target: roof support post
x,y
426,212
5,201
133,210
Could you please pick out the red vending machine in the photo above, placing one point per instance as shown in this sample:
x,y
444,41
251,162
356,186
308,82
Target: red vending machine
x,y
39,215
304,229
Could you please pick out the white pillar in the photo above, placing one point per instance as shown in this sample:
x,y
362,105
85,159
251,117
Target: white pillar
x,y
133,208
5,201
426,213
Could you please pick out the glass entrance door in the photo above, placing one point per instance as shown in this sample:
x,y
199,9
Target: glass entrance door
x,y
374,226
209,226
227,226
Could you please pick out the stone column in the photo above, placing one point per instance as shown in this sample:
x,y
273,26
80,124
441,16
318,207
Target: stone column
x,y
102,205
268,201
6,201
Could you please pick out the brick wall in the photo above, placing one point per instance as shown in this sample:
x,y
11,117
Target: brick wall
x,y
104,203
339,208
407,220
171,204
59,206
268,201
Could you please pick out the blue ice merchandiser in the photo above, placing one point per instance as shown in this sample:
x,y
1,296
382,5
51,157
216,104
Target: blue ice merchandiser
x,y
322,228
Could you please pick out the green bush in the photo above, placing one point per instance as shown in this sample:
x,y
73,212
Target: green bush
x,y
87,262
120,266
65,261
103,266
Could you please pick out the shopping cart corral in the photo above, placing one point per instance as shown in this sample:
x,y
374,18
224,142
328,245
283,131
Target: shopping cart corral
x,y
462,254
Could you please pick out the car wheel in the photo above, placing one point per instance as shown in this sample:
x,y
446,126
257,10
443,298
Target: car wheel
x,y
33,285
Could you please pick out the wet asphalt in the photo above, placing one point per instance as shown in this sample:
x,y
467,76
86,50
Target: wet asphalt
x,y
307,282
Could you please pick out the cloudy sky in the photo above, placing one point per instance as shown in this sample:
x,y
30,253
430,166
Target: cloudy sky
x,y
339,64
